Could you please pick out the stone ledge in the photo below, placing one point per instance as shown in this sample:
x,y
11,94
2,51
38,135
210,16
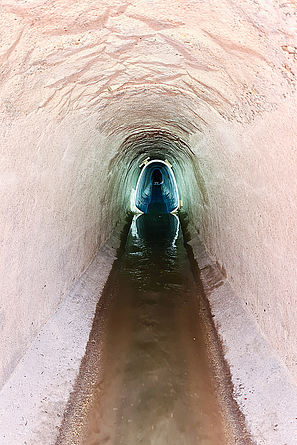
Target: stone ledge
x,y
33,401
263,388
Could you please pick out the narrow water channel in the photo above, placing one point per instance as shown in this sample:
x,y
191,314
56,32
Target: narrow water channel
x,y
146,378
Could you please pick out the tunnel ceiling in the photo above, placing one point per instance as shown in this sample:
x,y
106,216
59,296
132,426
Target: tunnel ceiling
x,y
114,58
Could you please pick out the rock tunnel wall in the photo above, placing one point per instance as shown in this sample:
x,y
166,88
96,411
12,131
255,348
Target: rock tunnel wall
x,y
90,89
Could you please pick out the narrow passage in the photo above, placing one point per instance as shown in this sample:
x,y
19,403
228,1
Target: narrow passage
x,y
146,377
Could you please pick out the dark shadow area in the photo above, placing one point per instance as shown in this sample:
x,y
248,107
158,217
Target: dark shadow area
x,y
157,228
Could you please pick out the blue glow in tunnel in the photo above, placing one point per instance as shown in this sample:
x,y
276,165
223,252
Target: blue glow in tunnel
x,y
156,190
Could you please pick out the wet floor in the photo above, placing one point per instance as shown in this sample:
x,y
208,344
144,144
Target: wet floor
x,y
146,378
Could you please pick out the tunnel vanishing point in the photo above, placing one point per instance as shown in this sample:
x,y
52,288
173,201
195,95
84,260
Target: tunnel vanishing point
x,y
89,91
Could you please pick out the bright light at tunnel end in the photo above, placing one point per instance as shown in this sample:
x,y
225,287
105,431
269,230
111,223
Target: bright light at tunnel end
x,y
146,166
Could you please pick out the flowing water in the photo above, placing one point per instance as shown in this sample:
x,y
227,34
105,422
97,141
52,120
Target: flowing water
x,y
146,378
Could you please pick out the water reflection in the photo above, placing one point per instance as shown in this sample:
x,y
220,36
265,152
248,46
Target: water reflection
x,y
146,379
157,228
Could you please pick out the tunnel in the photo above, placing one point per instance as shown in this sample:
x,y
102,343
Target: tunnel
x,y
156,189
203,96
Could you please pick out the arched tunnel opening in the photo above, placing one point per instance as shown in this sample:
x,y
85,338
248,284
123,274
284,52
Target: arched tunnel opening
x,y
157,178
156,189
183,115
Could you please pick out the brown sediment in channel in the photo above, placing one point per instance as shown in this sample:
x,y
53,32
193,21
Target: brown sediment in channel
x,y
154,371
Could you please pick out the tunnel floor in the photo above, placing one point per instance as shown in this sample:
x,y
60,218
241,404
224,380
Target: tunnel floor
x,y
146,377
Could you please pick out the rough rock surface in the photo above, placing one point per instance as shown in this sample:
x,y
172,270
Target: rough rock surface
x,y
78,77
